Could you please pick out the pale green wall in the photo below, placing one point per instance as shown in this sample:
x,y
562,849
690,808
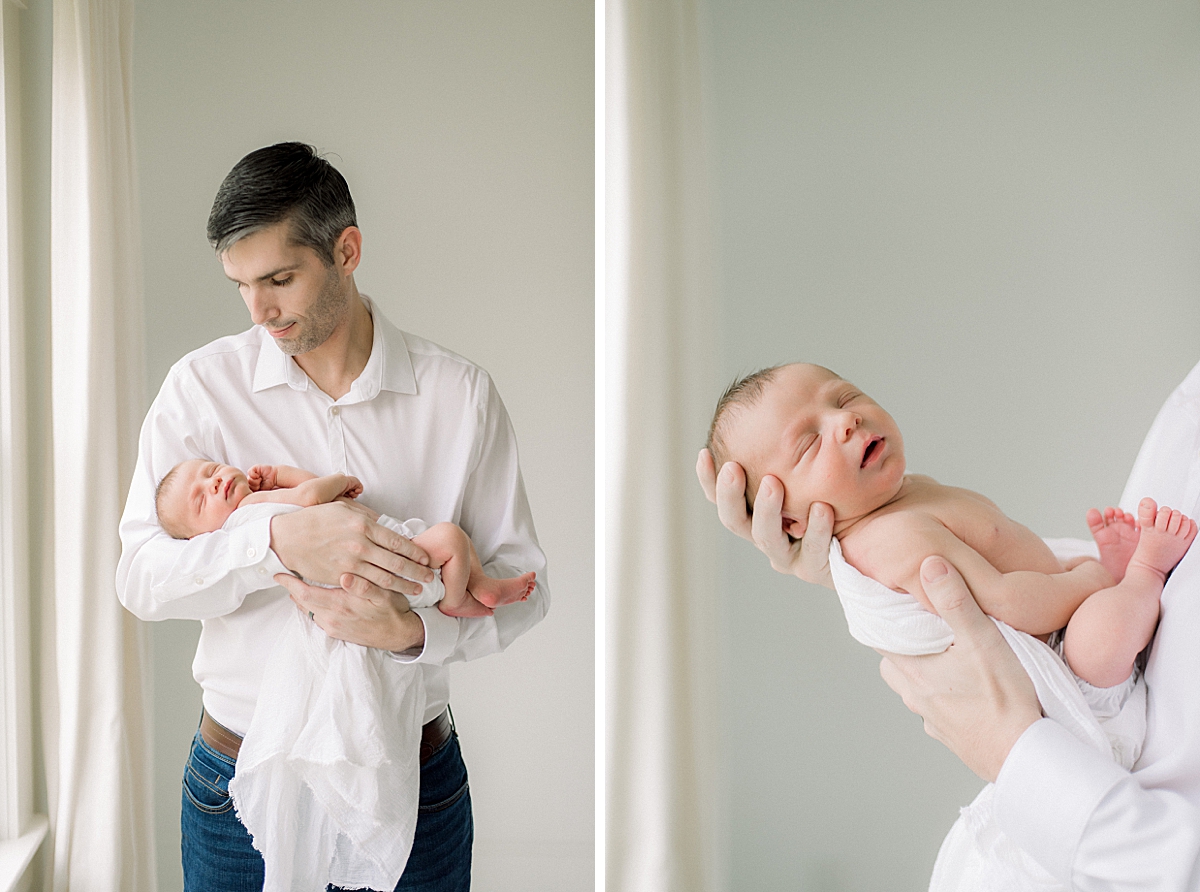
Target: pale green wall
x,y
465,130
988,216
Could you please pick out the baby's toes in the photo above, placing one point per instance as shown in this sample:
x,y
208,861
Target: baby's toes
x,y
1147,512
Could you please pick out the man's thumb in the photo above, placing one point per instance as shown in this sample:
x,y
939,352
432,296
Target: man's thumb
x,y
950,596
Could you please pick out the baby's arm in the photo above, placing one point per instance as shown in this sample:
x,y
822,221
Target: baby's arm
x,y
1037,603
311,491
277,477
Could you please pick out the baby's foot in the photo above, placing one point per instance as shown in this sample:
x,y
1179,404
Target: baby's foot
x,y
1166,535
1116,534
496,592
468,606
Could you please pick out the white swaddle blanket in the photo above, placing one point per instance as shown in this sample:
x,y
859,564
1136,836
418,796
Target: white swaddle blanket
x,y
328,775
976,855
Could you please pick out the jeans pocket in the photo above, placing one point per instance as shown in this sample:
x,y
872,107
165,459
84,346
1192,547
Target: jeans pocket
x,y
206,780
444,803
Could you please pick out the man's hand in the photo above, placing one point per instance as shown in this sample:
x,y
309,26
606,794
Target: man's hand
x,y
360,613
325,542
974,697
806,558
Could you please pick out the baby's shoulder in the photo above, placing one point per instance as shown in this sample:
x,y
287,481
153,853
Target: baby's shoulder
x,y
888,541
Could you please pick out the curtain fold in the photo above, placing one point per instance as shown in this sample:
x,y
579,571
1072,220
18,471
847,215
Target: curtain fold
x,y
98,775
662,746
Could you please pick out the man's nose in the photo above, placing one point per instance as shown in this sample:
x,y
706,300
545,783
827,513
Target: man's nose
x,y
262,309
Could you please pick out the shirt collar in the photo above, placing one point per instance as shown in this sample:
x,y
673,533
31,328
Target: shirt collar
x,y
388,368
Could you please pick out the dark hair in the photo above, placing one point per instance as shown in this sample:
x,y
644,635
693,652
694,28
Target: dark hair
x,y
287,181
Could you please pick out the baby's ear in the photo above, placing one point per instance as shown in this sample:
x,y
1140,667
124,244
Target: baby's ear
x,y
795,528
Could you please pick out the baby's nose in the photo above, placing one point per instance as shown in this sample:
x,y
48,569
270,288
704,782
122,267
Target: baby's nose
x,y
849,424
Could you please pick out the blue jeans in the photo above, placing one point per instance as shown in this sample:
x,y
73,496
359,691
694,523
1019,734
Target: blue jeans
x,y
219,857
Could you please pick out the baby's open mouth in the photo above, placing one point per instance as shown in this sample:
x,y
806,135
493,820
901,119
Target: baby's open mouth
x,y
871,450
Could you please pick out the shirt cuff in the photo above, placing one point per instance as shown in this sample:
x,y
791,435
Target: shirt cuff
x,y
441,636
1048,789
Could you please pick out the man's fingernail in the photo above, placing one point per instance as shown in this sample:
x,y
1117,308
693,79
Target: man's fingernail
x,y
726,472
934,569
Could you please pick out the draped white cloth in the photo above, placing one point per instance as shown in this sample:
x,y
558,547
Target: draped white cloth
x,y
661,768
976,855
98,748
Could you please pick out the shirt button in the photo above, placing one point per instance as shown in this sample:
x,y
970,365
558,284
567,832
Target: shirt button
x,y
262,571
250,552
199,580
335,410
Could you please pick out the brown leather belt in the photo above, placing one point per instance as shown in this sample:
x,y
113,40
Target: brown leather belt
x,y
433,734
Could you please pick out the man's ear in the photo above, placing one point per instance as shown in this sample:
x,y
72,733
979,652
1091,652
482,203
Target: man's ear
x,y
347,250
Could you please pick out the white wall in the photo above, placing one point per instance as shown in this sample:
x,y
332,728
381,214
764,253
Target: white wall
x,y
987,216
465,132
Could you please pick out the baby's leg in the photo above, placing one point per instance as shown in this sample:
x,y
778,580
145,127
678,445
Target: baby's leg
x,y
497,592
1116,535
1111,627
451,551
469,591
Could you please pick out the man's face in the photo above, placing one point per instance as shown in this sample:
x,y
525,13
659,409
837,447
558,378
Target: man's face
x,y
825,440
287,289
204,494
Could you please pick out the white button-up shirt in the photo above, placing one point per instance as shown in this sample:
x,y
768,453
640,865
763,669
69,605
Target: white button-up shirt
x,y
1092,824
422,428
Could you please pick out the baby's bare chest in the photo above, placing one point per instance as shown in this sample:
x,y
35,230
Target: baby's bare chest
x,y
977,521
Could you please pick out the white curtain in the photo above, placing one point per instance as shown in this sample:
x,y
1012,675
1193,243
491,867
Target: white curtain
x,y
99,762
662,769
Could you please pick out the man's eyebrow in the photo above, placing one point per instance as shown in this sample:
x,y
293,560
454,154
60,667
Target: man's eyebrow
x,y
271,275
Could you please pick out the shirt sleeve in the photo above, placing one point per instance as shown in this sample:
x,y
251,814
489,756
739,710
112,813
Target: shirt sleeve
x,y
495,514
159,577
1088,821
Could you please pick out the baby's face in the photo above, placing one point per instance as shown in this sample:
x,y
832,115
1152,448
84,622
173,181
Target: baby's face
x,y
205,493
825,440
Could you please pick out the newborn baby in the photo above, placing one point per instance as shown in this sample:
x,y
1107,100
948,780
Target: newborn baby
x,y
198,496
826,441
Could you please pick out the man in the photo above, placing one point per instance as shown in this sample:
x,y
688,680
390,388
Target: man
x,y
323,382
1090,823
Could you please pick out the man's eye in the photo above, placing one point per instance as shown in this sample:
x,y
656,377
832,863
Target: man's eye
x,y
850,397
279,283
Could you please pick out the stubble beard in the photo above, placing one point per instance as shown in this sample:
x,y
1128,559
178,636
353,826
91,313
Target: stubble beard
x,y
320,320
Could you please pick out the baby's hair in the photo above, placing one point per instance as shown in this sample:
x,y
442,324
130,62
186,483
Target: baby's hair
x,y
742,393
168,523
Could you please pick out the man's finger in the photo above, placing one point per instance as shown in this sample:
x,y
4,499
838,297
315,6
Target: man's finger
x,y
397,544
391,571
309,597
952,600
366,588
766,526
731,499
814,547
706,473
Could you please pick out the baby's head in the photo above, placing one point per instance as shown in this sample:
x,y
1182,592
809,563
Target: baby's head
x,y
197,496
821,436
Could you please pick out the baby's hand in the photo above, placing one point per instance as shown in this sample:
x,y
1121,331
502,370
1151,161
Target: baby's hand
x,y
353,489
261,477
